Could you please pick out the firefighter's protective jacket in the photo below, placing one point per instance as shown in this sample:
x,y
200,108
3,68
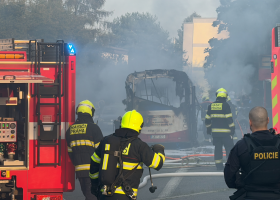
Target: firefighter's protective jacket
x,y
135,152
82,139
218,119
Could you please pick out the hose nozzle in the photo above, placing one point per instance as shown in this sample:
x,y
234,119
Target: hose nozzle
x,y
152,188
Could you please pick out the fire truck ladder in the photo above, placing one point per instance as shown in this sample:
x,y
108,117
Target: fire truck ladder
x,y
54,91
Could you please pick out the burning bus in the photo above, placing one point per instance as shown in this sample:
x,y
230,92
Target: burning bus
x,y
166,99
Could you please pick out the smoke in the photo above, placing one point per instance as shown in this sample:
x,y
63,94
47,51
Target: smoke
x,y
170,13
103,81
234,78
237,58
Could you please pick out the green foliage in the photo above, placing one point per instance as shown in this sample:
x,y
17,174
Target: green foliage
x,y
135,29
90,9
50,20
148,44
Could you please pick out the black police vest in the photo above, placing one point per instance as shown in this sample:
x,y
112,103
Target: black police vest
x,y
264,165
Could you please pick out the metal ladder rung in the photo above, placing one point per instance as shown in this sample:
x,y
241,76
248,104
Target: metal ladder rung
x,y
54,88
42,124
48,144
49,164
49,104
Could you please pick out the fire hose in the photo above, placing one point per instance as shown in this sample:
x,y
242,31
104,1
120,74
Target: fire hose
x,y
185,174
240,127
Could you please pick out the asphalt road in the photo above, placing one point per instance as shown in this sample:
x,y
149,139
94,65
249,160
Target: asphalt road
x,y
179,188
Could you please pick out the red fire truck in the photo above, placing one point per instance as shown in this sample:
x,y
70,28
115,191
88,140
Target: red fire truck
x,y
37,104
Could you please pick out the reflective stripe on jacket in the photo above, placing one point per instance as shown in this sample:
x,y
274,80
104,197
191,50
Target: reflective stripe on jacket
x,y
136,152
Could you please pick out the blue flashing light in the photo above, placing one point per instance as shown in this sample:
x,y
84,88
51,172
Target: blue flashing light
x,y
71,49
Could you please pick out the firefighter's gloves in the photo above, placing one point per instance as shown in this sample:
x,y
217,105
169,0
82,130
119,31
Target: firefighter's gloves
x,y
158,148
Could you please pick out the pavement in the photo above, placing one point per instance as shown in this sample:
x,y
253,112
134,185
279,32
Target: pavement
x,y
179,188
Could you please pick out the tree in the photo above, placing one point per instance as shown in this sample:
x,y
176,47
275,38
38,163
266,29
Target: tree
x,y
148,44
233,62
49,20
89,9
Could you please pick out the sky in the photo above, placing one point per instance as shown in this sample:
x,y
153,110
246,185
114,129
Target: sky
x,y
170,13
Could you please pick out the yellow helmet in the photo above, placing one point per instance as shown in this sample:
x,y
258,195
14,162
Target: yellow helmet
x,y
221,93
228,98
132,120
85,107
205,98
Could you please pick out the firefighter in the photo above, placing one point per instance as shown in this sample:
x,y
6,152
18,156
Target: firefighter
x,y
117,164
253,166
82,139
203,110
219,123
234,113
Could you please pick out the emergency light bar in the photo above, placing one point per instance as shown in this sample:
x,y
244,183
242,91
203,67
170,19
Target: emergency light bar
x,y
69,49
13,56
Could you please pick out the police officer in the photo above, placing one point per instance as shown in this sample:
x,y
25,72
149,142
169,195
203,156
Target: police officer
x,y
119,179
253,166
203,110
234,113
82,139
219,123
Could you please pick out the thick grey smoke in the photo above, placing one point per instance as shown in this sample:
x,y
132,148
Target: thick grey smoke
x,y
103,82
237,58
170,13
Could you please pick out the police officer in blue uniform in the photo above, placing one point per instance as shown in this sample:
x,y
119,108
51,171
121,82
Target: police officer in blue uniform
x,y
253,166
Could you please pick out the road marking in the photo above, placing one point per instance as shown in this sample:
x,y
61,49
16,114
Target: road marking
x,y
194,194
172,185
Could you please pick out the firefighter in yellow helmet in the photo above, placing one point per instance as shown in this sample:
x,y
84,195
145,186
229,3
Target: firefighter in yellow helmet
x,y
83,137
123,154
220,125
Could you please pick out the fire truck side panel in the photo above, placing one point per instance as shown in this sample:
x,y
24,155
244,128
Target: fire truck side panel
x,y
70,94
275,87
30,177
70,89
45,178
62,177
